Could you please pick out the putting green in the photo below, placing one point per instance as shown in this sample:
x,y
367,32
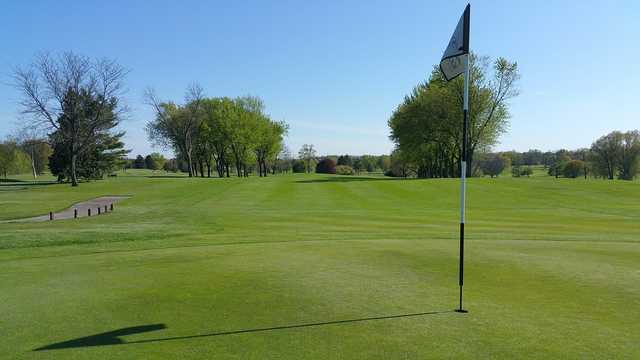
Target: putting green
x,y
318,267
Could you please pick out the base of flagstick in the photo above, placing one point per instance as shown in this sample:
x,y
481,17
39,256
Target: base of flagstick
x,y
461,311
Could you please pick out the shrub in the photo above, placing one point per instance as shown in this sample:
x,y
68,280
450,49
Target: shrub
x,y
326,166
526,171
494,164
516,171
573,169
344,170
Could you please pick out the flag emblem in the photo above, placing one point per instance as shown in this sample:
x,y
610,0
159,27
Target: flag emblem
x,y
452,63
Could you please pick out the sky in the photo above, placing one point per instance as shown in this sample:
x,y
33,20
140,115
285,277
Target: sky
x,y
336,70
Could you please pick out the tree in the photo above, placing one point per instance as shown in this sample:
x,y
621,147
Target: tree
x,y
606,154
74,96
170,165
12,159
284,160
345,160
629,155
384,162
105,155
357,165
177,126
269,138
526,171
139,162
427,125
35,146
532,157
299,166
326,166
516,171
154,161
573,168
495,164
307,154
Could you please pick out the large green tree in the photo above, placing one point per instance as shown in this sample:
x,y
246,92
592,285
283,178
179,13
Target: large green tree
x,y
427,125
177,126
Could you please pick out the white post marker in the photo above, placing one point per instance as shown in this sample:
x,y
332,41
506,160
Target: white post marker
x,y
454,62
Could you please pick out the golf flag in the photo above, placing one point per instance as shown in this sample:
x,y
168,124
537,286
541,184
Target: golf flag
x,y
452,63
455,61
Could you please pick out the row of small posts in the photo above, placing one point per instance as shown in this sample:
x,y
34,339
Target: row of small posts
x,y
75,211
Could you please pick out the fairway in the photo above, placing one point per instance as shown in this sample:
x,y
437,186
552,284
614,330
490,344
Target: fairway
x,y
322,267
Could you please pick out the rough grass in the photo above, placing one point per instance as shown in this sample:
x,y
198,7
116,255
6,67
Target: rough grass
x,y
234,267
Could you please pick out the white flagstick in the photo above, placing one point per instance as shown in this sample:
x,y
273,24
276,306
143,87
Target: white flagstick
x,y
463,173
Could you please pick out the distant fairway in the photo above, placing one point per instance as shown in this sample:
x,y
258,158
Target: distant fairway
x,y
323,267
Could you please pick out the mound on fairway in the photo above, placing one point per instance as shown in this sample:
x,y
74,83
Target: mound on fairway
x,y
323,267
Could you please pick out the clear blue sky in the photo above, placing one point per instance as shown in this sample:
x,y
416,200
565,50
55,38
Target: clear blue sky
x,y
335,70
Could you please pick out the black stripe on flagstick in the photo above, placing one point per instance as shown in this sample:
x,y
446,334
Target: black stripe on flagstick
x,y
466,27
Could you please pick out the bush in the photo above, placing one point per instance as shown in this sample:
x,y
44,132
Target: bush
x,y
344,170
526,171
573,169
494,164
516,171
326,166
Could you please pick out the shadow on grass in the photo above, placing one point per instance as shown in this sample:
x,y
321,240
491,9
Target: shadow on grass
x,y
112,337
27,183
350,179
106,338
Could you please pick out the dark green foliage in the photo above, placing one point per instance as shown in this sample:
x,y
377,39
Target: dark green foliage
x,y
345,160
104,156
299,166
494,164
326,166
139,162
516,171
573,168
526,171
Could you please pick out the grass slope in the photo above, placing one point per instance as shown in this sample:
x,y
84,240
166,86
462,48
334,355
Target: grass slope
x,y
271,268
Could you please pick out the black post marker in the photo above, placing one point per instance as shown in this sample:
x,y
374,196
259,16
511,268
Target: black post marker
x,y
111,206
50,215
89,212
98,210
75,213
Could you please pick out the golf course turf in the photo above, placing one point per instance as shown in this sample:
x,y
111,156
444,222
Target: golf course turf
x,y
322,267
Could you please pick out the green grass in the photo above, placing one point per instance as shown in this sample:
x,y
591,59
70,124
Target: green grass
x,y
552,265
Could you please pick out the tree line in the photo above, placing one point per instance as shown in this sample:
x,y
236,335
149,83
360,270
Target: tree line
x,y
217,134
612,156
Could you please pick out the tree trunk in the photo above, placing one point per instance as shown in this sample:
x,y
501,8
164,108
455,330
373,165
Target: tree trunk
x,y
190,163
74,177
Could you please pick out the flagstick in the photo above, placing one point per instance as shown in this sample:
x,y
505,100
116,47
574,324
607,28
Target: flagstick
x,y
463,174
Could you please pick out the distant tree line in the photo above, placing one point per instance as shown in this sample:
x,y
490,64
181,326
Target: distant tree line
x,y
612,156
218,134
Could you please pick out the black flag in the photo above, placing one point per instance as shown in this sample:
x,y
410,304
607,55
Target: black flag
x,y
452,63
